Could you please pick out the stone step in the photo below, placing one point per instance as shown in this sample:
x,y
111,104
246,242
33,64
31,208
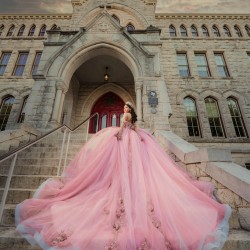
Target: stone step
x,y
25,181
48,169
17,195
11,240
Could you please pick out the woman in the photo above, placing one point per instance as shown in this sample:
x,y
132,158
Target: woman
x,y
123,192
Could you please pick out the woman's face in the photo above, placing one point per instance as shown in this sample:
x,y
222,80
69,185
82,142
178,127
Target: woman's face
x,y
126,109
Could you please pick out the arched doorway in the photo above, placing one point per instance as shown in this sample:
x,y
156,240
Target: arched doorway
x,y
109,109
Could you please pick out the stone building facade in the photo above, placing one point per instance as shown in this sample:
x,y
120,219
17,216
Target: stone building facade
x,y
188,73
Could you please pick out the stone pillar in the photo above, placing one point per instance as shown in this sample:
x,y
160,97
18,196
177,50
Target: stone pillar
x,y
57,105
138,89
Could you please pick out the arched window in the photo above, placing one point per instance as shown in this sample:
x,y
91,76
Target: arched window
x,y
247,28
5,110
237,31
226,31
183,30
192,117
21,30
236,117
216,31
130,27
11,30
54,27
32,30
104,121
1,29
205,30
172,30
114,120
116,18
214,117
194,31
42,31
22,111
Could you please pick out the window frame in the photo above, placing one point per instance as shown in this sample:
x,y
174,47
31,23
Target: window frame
x,y
205,31
237,31
19,64
227,31
194,31
240,118
247,28
2,27
219,117
32,30
216,31
172,31
4,122
187,65
35,64
1,61
130,27
202,66
183,31
21,30
116,18
224,66
11,30
42,30
192,119
21,116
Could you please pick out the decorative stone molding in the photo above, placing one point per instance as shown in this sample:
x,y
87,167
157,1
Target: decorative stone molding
x,y
38,16
202,16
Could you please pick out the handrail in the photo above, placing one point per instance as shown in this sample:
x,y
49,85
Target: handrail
x,y
21,148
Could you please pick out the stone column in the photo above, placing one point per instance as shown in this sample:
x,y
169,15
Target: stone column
x,y
61,106
138,89
57,104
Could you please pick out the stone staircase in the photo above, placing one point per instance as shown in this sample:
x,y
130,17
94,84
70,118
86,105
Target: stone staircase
x,y
38,163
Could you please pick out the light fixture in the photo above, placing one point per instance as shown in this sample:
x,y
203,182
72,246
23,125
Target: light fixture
x,y
106,76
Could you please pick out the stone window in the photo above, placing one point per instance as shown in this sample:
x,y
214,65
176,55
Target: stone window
x,y
36,63
183,30
1,29
216,31
172,30
247,28
202,64
248,53
116,18
20,64
130,27
205,30
194,31
214,117
5,110
183,65
236,117
42,31
54,27
237,31
11,30
192,117
21,31
221,65
4,62
104,121
32,30
22,112
226,31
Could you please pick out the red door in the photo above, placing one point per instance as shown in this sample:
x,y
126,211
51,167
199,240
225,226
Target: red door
x,y
110,110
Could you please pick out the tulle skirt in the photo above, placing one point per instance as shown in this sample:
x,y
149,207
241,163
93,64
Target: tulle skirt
x,y
123,194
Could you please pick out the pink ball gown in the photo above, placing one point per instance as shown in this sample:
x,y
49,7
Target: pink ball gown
x,y
123,195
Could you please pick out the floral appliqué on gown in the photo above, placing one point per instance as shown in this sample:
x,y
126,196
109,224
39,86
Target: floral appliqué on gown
x,y
123,192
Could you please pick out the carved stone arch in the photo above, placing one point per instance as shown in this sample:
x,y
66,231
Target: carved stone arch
x,y
25,93
241,98
65,69
9,91
188,92
210,93
142,23
97,93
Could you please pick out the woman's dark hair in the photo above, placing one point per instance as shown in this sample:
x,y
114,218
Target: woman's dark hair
x,y
133,114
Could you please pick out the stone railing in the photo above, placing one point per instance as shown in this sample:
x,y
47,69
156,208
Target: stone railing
x,y
231,181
